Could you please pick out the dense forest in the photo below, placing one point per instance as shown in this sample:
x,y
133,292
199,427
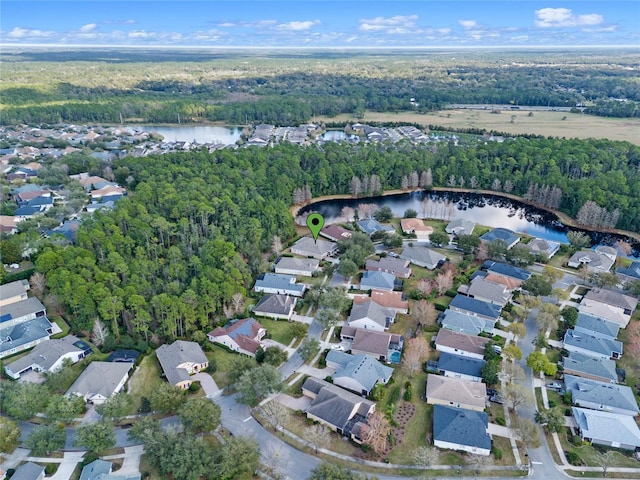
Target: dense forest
x,y
291,90
194,231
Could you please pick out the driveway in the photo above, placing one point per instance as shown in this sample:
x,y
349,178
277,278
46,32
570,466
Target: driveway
x,y
207,383
301,403
68,465
499,430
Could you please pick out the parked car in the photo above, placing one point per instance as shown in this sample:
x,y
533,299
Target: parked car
x,y
491,392
337,347
497,349
554,386
496,399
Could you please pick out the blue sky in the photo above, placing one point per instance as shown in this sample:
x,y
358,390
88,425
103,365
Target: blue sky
x,y
321,23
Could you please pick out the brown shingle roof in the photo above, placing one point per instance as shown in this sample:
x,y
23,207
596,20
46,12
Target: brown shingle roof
x,y
461,341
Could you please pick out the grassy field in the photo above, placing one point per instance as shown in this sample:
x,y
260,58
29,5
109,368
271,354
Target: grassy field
x,y
223,359
279,330
575,125
145,380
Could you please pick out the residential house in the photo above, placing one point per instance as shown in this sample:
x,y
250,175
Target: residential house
x,y
460,366
281,284
386,347
112,192
601,396
276,306
423,257
29,471
460,343
100,381
599,260
630,273
627,303
305,267
335,233
461,429
14,292
390,300
455,392
49,356
591,345
23,325
465,323
338,409
395,266
101,470
506,270
371,316
358,373
9,224
416,227
180,360
371,226
540,246
460,226
308,247
377,280
598,327
604,311
509,283
491,292
509,238
473,307
608,429
242,336
600,369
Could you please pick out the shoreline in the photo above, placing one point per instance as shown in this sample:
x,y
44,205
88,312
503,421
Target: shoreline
x,y
563,218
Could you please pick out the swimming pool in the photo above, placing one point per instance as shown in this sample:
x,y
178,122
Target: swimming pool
x,y
395,357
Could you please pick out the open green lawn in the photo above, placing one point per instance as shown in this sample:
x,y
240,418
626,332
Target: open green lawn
x,y
223,359
63,326
589,455
145,380
279,330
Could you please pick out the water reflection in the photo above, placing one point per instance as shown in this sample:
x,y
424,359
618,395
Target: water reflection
x,y
199,134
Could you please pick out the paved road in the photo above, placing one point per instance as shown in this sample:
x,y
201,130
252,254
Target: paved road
x,y
294,362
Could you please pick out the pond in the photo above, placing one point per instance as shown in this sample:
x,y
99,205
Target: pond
x,y
336,136
489,210
198,133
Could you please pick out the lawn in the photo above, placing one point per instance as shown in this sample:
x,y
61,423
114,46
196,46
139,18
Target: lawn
x,y
589,455
279,331
63,326
145,380
223,359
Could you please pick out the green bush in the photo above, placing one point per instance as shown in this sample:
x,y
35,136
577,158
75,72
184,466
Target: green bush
x,y
440,308
407,384
573,458
501,421
194,387
407,395
451,293
497,453
552,403
395,395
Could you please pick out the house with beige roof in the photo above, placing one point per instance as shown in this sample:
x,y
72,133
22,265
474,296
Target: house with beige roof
x,y
460,343
455,392
416,227
389,300
602,310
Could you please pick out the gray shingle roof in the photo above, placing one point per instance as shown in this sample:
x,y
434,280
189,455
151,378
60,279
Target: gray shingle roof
x,y
596,326
605,427
488,291
633,271
507,270
464,427
612,298
21,309
295,263
364,369
461,341
309,247
95,469
597,345
180,351
586,390
460,226
478,307
586,365
100,378
24,333
275,304
464,323
28,471
45,354
13,289
279,282
372,310
422,256
374,279
460,364
504,234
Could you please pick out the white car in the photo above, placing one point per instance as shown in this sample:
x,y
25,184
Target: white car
x,y
337,347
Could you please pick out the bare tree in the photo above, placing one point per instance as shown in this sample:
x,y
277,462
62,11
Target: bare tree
x,y
275,460
527,430
317,435
508,186
473,182
378,432
444,281
425,286
228,311
496,185
355,186
513,372
516,394
424,312
624,247
426,456
479,462
425,206
38,284
415,353
277,244
426,178
461,181
404,184
237,302
276,414
100,332
414,179
548,317
605,460
452,181
347,213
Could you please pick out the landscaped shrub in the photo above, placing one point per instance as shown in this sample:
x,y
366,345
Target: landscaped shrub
x,y
440,308
395,395
573,458
194,387
328,379
575,440
552,403
407,395
497,453
212,367
501,421
451,293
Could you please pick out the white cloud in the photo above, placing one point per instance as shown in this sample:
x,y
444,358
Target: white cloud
x,y
140,34
19,32
351,39
129,22
563,17
88,27
406,22
468,23
444,31
298,26
611,28
227,25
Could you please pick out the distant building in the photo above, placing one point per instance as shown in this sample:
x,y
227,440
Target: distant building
x,y
395,266
540,246
416,227
308,247
460,227
507,236
377,280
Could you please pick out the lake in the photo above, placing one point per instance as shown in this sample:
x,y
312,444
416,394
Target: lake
x,y
489,210
336,136
199,133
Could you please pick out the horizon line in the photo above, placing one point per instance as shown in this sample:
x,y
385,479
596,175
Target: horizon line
x,y
316,48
